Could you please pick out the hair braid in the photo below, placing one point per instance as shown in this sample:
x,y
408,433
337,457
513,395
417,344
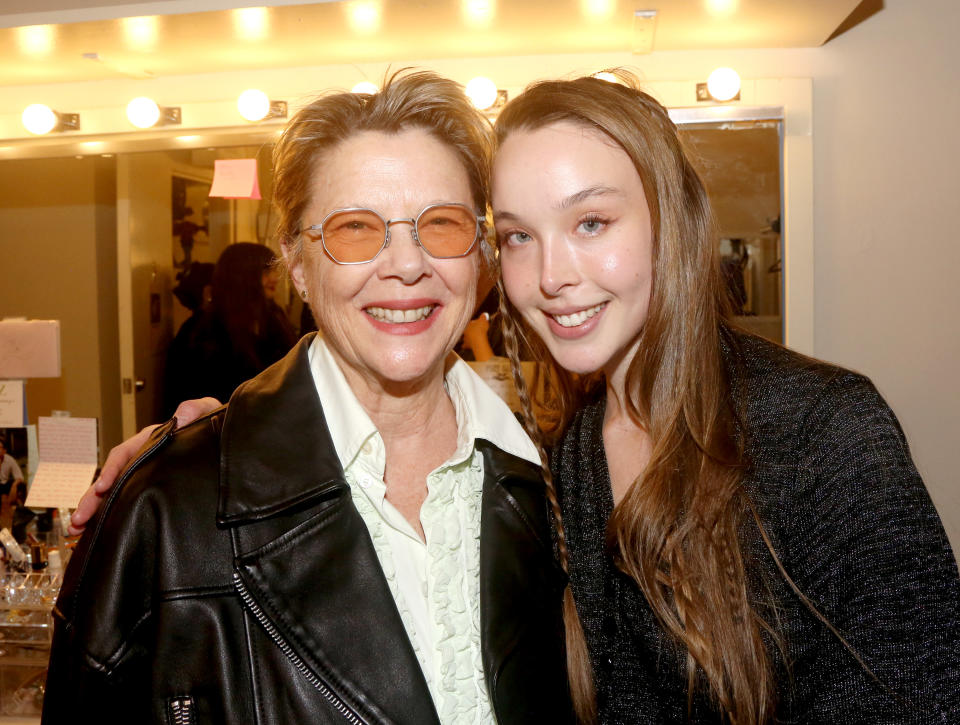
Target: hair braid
x,y
579,672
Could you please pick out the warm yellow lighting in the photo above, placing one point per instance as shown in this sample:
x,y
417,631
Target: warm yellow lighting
x,y
253,104
364,16
606,76
39,119
251,23
721,7
141,32
479,13
35,39
188,139
143,112
723,84
598,9
482,92
92,145
365,87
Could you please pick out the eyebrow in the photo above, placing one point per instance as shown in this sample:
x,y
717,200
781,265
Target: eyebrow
x,y
580,196
566,202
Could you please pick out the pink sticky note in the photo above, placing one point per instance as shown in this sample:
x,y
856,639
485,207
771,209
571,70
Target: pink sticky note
x,y
235,179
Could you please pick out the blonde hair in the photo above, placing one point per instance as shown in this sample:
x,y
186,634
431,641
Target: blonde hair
x,y
677,530
408,99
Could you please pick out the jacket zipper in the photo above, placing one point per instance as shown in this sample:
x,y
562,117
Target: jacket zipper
x,y
181,710
321,687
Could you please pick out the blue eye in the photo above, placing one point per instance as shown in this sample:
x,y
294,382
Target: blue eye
x,y
592,224
515,238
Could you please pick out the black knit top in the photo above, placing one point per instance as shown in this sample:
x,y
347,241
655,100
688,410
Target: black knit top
x,y
853,525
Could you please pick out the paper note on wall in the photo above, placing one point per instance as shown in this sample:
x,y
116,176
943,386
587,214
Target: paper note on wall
x,y
235,179
68,462
29,348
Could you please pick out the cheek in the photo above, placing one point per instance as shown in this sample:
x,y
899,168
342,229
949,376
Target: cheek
x,y
516,281
461,279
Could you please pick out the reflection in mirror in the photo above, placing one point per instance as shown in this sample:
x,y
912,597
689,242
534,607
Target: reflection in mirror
x,y
739,162
174,226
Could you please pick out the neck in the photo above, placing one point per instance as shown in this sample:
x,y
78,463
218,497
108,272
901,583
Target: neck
x,y
418,424
398,407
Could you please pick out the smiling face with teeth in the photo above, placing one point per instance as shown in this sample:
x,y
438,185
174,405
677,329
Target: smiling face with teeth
x,y
392,320
575,243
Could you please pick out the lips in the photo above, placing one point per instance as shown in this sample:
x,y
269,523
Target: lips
x,y
575,319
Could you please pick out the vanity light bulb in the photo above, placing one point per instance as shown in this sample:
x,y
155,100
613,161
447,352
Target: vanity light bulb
x,y
143,112
39,119
365,87
723,84
254,105
482,92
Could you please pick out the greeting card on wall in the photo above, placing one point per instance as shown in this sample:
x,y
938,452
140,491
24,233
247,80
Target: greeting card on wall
x,y
68,462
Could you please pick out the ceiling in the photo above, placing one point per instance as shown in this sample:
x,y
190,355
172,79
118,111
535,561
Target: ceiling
x,y
56,41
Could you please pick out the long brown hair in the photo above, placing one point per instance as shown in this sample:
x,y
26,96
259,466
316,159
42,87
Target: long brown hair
x,y
677,531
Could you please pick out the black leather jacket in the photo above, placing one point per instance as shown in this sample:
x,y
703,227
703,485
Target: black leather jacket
x,y
229,579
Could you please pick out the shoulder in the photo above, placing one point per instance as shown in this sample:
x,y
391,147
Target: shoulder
x,y
793,403
161,506
172,464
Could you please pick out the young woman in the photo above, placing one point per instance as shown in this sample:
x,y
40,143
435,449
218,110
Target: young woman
x,y
747,538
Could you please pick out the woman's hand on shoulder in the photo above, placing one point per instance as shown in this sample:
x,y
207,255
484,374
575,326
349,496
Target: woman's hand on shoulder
x,y
118,458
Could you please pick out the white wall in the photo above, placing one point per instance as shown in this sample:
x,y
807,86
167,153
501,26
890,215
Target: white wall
x,y
887,187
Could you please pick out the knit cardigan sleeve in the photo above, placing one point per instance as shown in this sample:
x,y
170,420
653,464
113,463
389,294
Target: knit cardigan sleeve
x,y
862,540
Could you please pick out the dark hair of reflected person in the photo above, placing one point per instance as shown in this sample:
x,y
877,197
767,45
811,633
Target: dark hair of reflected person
x,y
239,302
408,100
677,530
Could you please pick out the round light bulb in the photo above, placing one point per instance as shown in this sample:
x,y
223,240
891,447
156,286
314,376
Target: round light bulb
x,y
723,84
39,119
365,87
143,112
482,92
253,104
607,76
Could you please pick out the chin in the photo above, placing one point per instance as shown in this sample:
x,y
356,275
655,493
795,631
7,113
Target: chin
x,y
577,364
404,366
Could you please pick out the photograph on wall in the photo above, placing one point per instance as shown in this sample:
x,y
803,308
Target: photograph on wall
x,y
14,469
191,221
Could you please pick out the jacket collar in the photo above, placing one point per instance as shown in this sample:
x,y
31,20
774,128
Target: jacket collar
x,y
282,460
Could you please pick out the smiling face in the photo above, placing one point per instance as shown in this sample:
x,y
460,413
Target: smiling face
x,y
575,243
394,319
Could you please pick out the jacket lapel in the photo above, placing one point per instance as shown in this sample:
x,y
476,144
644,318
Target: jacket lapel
x,y
304,556
520,589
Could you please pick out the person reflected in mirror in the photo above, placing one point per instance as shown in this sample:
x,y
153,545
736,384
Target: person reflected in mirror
x,y
11,479
239,334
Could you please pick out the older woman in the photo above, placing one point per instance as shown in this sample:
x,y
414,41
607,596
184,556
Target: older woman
x,y
360,535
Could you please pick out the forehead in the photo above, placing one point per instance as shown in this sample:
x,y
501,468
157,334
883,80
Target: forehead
x,y
380,170
560,159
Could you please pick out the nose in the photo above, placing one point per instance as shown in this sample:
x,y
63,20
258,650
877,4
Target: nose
x,y
403,257
558,266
